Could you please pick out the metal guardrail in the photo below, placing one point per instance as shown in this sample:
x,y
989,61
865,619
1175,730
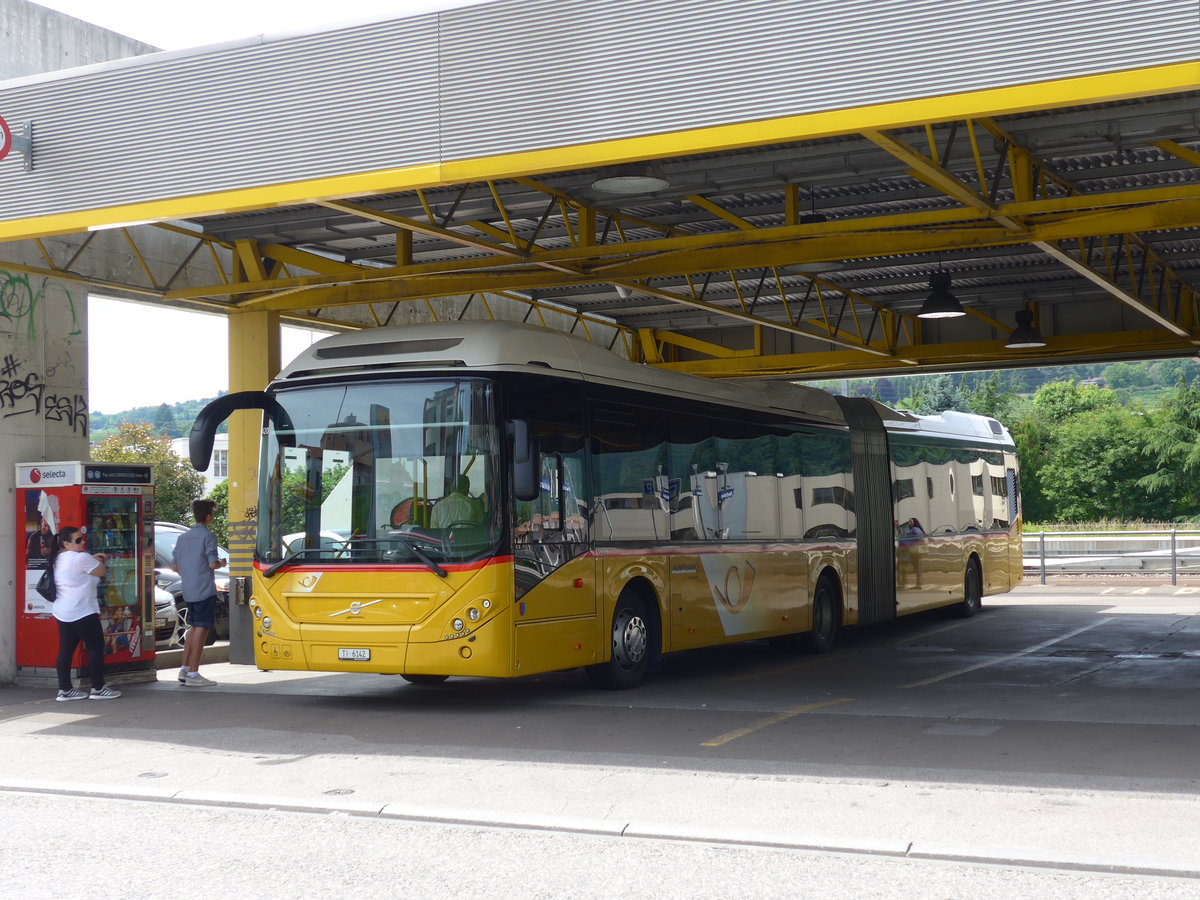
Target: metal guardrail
x,y
1172,551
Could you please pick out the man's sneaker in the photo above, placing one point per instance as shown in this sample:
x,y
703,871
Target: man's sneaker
x,y
182,676
104,693
72,694
196,680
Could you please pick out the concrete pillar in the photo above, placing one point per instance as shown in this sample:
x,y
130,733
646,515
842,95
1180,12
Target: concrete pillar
x,y
253,362
43,408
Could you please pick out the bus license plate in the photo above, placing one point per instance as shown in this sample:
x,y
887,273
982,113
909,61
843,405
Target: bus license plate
x,y
360,654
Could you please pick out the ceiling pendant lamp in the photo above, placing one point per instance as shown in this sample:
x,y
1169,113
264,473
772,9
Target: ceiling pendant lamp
x,y
1025,336
816,267
940,304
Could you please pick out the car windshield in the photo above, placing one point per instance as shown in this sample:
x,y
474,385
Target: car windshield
x,y
398,472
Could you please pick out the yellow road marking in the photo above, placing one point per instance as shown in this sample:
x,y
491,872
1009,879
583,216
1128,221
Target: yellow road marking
x,y
993,662
773,720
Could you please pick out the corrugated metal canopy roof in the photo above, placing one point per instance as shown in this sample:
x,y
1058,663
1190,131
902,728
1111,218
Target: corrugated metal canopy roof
x,y
806,256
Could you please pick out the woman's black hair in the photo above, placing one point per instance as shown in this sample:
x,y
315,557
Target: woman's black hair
x,y
59,537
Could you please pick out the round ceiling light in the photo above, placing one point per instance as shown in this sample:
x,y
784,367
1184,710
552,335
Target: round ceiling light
x,y
633,179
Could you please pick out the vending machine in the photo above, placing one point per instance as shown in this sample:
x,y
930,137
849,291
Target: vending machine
x,y
113,504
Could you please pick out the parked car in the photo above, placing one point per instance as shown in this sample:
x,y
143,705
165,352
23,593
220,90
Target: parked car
x,y
334,541
166,621
165,576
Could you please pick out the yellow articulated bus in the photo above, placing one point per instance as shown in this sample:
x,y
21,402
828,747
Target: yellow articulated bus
x,y
492,499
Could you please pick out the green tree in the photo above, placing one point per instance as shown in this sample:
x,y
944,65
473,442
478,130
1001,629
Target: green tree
x,y
934,394
1034,440
1127,375
1059,400
220,523
991,397
1173,447
1094,467
176,483
164,422
1170,371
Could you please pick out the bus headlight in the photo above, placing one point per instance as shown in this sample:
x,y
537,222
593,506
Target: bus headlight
x,y
473,614
457,625
267,623
258,613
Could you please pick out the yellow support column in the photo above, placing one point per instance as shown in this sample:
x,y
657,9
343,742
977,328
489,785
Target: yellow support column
x,y
253,362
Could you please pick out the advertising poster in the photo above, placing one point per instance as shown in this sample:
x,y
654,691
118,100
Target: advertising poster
x,y
41,523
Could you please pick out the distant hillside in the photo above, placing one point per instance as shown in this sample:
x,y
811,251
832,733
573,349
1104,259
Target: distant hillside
x,y
170,420
1141,380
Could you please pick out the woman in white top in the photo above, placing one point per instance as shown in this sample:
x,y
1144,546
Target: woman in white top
x,y
76,575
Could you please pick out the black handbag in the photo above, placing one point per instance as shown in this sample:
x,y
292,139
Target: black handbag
x,y
46,586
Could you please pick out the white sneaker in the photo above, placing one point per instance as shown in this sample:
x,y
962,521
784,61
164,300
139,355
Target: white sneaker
x,y
72,694
104,693
182,676
197,680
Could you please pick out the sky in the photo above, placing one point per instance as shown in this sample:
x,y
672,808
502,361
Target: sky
x,y
186,354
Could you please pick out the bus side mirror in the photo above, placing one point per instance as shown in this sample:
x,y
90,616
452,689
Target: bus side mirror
x,y
204,430
525,474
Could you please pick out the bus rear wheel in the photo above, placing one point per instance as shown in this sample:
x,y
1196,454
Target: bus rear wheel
x,y
826,617
632,635
972,591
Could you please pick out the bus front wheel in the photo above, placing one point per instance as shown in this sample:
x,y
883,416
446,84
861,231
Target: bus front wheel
x,y
632,635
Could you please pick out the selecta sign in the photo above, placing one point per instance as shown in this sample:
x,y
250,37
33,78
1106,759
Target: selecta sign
x,y
47,474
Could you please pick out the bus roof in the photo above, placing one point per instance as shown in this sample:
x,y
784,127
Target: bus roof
x,y
515,347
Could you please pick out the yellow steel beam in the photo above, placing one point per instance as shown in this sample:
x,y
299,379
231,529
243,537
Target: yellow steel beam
x,y
1069,217
1180,151
720,212
941,357
1154,286
386,218
938,178
707,348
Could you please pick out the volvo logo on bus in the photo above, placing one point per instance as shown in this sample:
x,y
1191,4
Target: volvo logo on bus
x,y
354,608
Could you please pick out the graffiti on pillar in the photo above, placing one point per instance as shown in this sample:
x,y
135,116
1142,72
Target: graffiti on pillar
x,y
25,393
19,299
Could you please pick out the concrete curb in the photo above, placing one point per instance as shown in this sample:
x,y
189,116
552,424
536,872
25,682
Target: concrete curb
x,y
1023,857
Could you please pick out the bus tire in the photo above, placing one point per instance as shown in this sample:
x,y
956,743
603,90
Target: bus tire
x,y
826,617
427,680
632,635
972,601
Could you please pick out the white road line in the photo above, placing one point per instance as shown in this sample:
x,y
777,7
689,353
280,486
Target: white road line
x,y
992,662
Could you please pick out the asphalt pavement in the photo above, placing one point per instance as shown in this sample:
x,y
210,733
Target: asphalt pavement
x,y
374,747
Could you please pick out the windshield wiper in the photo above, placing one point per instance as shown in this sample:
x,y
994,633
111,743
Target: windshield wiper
x,y
416,551
296,554
407,542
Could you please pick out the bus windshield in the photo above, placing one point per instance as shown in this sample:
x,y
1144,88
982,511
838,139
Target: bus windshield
x,y
401,472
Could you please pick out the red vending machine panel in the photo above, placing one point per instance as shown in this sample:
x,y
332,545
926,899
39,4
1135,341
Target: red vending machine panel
x,y
113,504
